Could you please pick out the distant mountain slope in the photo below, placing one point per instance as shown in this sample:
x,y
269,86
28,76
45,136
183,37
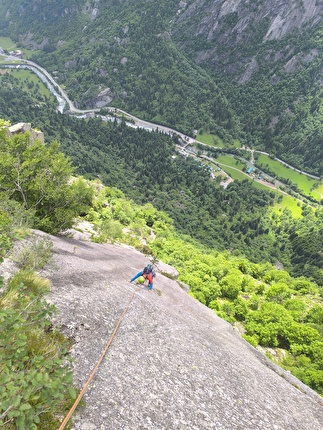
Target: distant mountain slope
x,y
239,69
237,35
121,53
173,363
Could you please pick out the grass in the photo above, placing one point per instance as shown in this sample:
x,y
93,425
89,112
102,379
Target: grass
x,y
318,191
235,174
27,77
229,160
262,186
209,139
308,186
233,167
7,44
291,204
214,140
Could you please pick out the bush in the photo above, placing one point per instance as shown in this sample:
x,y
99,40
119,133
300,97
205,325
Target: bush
x,y
240,309
253,340
36,376
35,253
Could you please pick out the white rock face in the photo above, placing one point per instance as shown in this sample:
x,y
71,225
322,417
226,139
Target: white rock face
x,y
232,29
251,68
291,15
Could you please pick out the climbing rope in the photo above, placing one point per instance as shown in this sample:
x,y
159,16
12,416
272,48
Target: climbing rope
x,y
77,401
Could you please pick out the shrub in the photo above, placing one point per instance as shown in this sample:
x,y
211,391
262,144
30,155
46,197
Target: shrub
x,y
253,340
35,370
240,309
35,254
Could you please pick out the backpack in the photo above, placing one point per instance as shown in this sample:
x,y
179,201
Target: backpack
x,y
148,269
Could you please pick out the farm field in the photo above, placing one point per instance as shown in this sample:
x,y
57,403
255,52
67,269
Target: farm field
x,y
308,186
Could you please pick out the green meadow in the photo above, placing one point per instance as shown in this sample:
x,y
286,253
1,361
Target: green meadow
x,y
308,186
213,140
291,204
230,161
7,44
209,139
232,166
30,81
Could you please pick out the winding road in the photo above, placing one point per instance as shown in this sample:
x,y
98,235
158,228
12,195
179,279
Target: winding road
x,y
63,99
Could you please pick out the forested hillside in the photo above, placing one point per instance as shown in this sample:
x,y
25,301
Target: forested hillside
x,y
266,56
189,64
125,49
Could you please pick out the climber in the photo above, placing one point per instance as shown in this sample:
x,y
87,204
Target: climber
x,y
148,273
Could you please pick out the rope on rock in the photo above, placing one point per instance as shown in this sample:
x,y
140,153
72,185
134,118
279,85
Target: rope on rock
x,y
77,401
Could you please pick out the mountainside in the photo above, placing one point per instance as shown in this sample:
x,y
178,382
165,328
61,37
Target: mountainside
x,y
173,363
122,53
237,69
238,35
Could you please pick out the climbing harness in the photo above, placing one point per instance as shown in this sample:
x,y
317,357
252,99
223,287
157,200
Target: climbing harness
x,y
77,401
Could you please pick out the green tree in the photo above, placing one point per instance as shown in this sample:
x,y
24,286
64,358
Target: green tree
x,y
315,315
269,324
5,233
297,308
240,309
39,177
300,334
231,284
278,292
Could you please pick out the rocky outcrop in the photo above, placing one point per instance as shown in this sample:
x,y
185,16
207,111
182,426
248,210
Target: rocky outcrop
x,y
23,127
103,99
234,31
173,363
91,8
222,18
